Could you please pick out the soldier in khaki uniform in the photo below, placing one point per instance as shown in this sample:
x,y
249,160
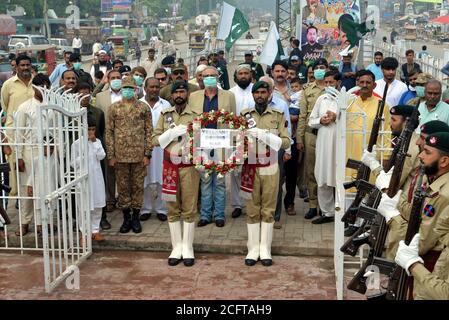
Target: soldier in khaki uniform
x,y
260,177
128,142
429,284
421,82
435,158
306,136
181,179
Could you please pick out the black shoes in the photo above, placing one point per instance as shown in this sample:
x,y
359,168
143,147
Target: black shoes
x,y
135,222
145,216
266,262
220,223
189,262
126,226
202,223
162,217
104,224
173,262
236,213
312,213
250,262
323,219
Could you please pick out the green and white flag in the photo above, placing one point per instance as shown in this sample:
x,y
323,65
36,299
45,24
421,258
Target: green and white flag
x,y
232,25
355,32
272,48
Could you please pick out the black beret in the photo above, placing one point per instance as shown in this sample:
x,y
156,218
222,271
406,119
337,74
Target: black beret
x,y
168,60
260,84
320,61
439,140
74,57
179,85
124,69
402,110
434,126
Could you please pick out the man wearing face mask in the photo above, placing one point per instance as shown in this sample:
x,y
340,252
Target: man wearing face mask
x,y
60,68
222,70
243,99
420,87
128,141
104,100
181,179
411,92
306,136
139,75
83,76
103,64
178,73
213,188
261,177
432,108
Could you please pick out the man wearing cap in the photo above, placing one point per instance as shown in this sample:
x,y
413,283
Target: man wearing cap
x,y
178,73
420,87
151,63
249,59
306,136
435,159
213,188
103,64
243,100
180,178
260,173
128,144
432,108
301,70
167,63
125,71
222,70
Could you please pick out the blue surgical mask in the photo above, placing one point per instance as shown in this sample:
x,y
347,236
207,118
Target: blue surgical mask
x,y
77,65
210,82
420,91
116,84
319,74
138,80
127,93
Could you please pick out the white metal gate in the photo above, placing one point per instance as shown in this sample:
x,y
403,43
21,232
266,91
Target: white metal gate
x,y
52,195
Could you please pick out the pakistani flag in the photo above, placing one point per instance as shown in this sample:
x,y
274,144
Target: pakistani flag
x,y
272,48
354,31
232,25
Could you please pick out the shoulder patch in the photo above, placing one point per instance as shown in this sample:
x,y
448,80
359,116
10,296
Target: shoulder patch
x,y
167,110
429,211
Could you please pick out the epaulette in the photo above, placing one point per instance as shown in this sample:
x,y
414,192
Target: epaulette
x,y
278,111
306,85
171,109
245,111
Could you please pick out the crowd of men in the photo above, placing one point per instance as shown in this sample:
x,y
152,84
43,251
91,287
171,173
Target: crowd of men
x,y
141,116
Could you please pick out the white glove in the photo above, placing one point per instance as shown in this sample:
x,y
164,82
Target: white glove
x,y
383,179
388,206
168,136
269,139
408,254
369,160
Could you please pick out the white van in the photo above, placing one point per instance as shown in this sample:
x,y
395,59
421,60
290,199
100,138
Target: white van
x,y
18,41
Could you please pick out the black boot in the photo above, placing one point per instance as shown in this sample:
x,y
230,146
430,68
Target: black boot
x,y
126,226
135,222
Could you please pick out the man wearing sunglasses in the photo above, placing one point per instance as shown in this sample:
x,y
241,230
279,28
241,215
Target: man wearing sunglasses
x,y
178,73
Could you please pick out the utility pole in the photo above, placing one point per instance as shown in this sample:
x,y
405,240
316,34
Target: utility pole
x,y
47,24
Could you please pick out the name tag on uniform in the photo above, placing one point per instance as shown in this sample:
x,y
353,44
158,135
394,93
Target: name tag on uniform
x,y
215,138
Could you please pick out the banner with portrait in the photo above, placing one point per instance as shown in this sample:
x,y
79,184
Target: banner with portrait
x,y
320,28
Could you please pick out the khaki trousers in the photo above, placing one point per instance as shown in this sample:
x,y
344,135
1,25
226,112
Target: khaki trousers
x,y
310,143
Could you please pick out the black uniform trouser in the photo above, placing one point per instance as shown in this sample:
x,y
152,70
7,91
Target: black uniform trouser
x,y
291,172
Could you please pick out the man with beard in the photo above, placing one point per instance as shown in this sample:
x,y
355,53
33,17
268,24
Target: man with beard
x,y
435,159
153,179
312,50
103,64
178,73
256,67
282,88
14,92
260,177
433,108
375,67
180,179
396,88
243,100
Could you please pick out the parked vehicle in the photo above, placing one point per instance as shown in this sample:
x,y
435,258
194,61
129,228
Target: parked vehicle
x,y
18,41
43,56
121,46
62,45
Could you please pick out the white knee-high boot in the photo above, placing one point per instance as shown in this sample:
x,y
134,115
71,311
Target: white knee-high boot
x,y
253,241
176,239
266,237
187,240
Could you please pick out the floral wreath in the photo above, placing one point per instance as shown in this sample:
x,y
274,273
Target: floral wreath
x,y
222,167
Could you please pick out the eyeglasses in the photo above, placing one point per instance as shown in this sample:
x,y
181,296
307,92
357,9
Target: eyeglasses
x,y
178,72
161,79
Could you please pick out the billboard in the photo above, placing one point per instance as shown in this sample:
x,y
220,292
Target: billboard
x,y
122,5
321,34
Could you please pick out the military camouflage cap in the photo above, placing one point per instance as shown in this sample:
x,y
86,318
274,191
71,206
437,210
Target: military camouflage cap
x,y
128,82
423,78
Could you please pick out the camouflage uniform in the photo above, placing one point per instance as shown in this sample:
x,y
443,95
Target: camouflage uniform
x,y
128,140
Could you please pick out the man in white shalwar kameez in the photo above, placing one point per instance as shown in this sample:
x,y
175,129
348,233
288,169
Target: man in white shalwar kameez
x,y
323,118
152,199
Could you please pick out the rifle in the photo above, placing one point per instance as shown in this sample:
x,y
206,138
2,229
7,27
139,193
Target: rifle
x,y
378,226
363,172
398,279
4,219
